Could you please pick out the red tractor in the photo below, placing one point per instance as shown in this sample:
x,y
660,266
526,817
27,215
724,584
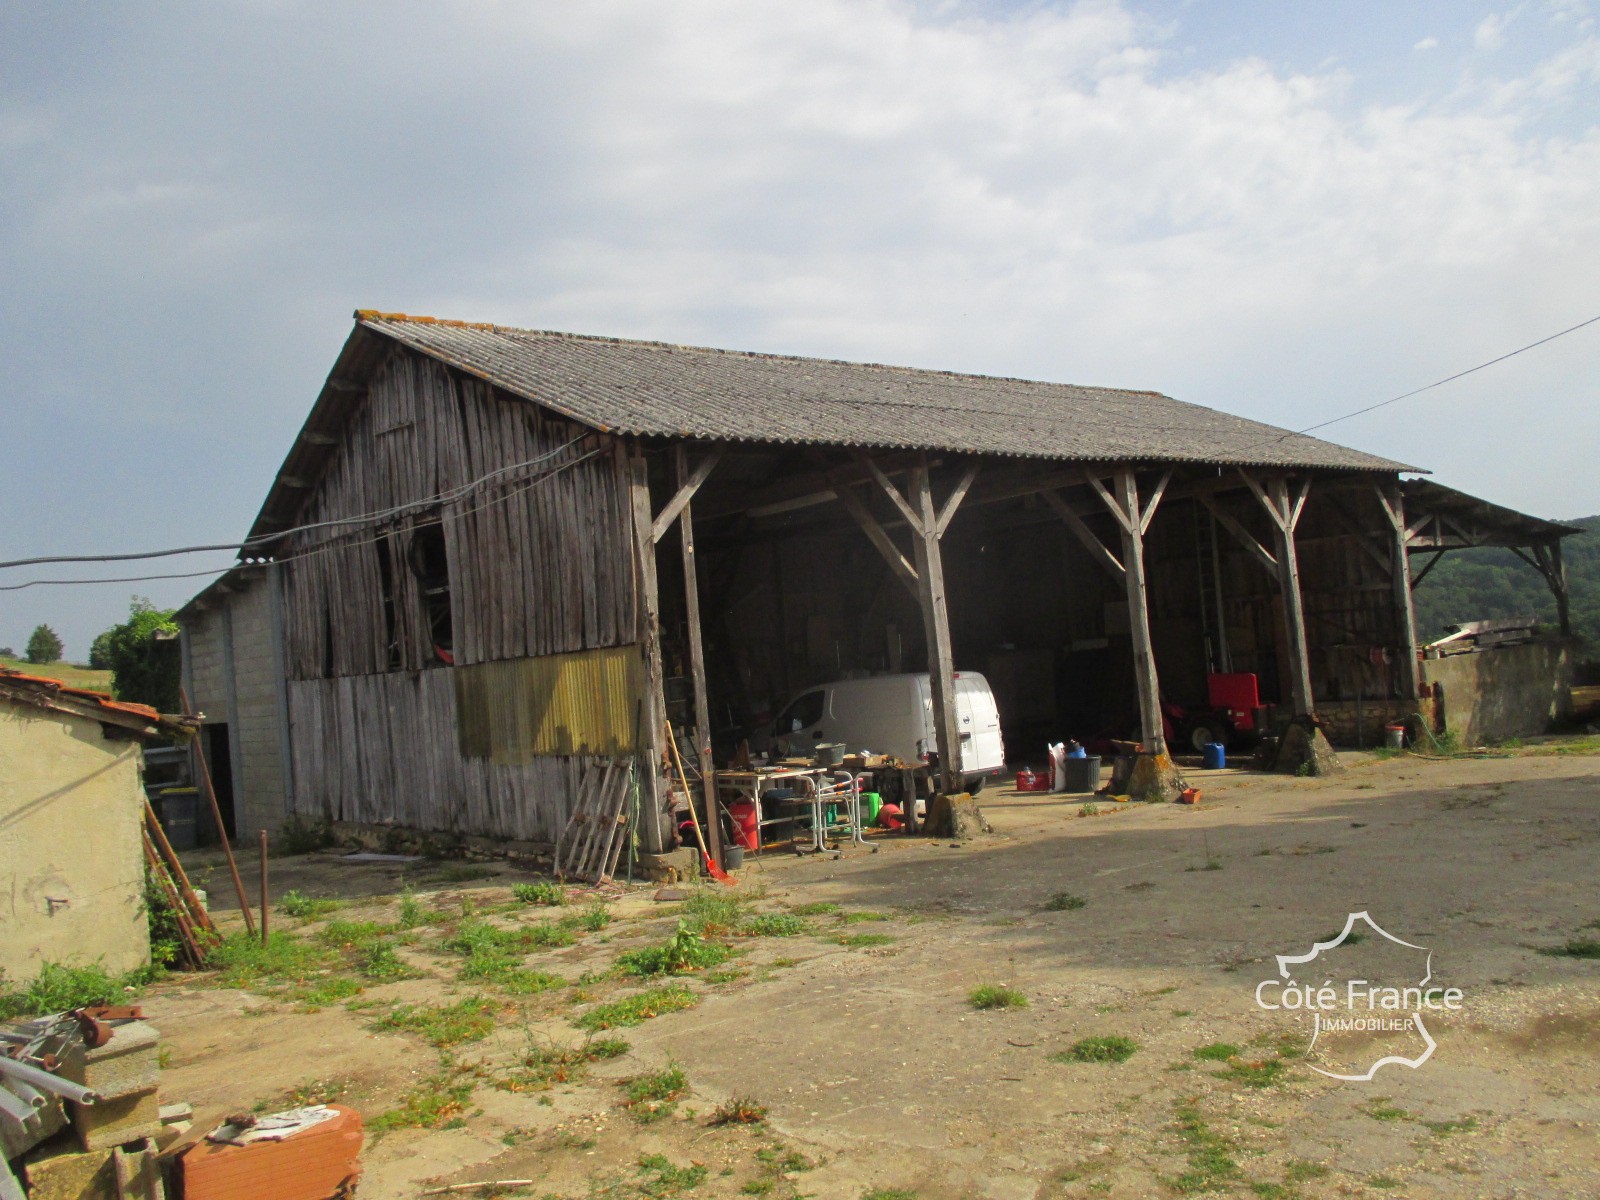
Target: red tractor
x,y
1234,714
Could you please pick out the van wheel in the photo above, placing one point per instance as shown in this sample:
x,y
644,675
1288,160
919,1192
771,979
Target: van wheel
x,y
974,784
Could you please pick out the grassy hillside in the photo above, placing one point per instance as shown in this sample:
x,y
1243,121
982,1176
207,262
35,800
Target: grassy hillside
x,y
1471,585
74,676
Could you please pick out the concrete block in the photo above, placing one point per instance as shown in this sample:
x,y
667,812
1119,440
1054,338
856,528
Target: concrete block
x,y
60,1171
113,1122
673,867
130,1062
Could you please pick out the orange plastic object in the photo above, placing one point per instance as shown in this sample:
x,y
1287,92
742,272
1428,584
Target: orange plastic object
x,y
321,1163
1189,796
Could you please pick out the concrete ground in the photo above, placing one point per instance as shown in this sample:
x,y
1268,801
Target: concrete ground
x,y
1154,924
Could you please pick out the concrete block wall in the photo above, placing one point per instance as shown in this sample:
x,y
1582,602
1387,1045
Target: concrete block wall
x,y
1512,692
232,670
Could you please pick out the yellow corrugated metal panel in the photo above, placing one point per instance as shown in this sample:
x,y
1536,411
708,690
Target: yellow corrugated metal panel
x,y
582,703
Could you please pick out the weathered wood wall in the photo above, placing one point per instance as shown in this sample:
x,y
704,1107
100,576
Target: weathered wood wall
x,y
539,564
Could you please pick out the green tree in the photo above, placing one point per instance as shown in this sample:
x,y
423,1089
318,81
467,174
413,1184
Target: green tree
x,y
143,656
44,646
100,652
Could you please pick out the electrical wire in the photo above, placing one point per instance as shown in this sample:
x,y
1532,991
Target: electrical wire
x,y
444,497
327,547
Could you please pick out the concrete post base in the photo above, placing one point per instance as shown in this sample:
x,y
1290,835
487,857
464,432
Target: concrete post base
x,y
1155,779
1305,750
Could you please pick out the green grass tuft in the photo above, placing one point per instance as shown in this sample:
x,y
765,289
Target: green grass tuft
x,y
1113,1049
547,893
295,903
58,988
655,1095
469,1020
1575,948
773,925
1064,902
437,1102
633,1010
994,995
862,939
683,952
1217,1052
659,1179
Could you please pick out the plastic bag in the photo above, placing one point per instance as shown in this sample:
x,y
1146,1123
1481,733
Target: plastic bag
x,y
1058,766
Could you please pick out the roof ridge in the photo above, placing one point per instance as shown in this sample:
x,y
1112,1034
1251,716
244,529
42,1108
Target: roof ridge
x,y
374,316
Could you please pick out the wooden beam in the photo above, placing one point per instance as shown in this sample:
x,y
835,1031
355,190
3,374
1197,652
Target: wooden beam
x,y
936,630
647,611
1393,503
1241,535
697,657
1352,527
879,537
1284,509
954,500
1558,585
1097,549
1148,513
1125,507
890,490
685,493
1426,567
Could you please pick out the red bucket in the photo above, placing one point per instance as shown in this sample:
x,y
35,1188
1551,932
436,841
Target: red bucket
x,y
743,813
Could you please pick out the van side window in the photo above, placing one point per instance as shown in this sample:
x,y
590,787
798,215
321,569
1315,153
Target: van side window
x,y
802,714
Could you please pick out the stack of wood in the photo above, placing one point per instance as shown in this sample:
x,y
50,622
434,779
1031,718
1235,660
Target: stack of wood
x,y
596,833
1469,637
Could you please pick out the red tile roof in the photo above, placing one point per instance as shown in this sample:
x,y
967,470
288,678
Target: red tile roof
x,y
53,693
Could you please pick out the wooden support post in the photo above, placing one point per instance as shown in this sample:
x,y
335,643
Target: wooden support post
x,y
1553,567
1284,510
1134,519
1393,503
936,626
647,603
697,660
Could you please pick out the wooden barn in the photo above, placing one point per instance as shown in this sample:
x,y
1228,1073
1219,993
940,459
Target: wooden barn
x,y
497,560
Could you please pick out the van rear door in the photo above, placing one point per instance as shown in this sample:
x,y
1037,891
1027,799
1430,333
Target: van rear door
x,y
978,719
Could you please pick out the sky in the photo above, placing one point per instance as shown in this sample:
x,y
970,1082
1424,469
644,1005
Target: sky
x,y
1286,211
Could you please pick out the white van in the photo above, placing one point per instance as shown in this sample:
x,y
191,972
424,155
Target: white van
x,y
893,714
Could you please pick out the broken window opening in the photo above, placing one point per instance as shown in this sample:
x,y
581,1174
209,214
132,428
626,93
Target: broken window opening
x,y
391,638
430,563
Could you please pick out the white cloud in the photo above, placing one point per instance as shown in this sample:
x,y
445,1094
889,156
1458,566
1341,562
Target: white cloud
x,y
1427,43
1490,34
1043,195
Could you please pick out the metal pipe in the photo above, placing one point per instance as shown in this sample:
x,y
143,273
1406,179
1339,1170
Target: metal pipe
x,y
26,1094
12,1069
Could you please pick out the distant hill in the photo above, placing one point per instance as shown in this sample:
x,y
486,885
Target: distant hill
x,y
71,674
1472,585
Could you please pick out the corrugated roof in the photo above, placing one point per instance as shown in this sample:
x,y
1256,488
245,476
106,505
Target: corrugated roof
x,y
661,390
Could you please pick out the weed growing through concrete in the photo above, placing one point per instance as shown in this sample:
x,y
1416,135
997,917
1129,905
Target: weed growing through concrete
x,y
380,964
244,961
740,1110
1217,1052
1064,902
889,1194
633,1010
683,952
1574,948
592,919
544,1064
439,1103
295,903
659,1179
858,940
773,925
1211,1164
1112,1049
1446,1129
1379,1109
58,988
816,908
994,995
654,1096
863,915
469,1020
539,893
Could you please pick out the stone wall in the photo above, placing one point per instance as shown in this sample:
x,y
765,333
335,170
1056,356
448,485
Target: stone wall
x,y
1513,692
1359,724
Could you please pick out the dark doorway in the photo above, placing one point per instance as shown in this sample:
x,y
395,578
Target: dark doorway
x,y
219,759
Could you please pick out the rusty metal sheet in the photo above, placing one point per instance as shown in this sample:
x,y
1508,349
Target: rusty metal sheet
x,y
561,704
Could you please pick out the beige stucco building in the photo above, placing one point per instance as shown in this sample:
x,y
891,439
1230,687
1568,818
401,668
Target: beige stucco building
x,y
71,810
